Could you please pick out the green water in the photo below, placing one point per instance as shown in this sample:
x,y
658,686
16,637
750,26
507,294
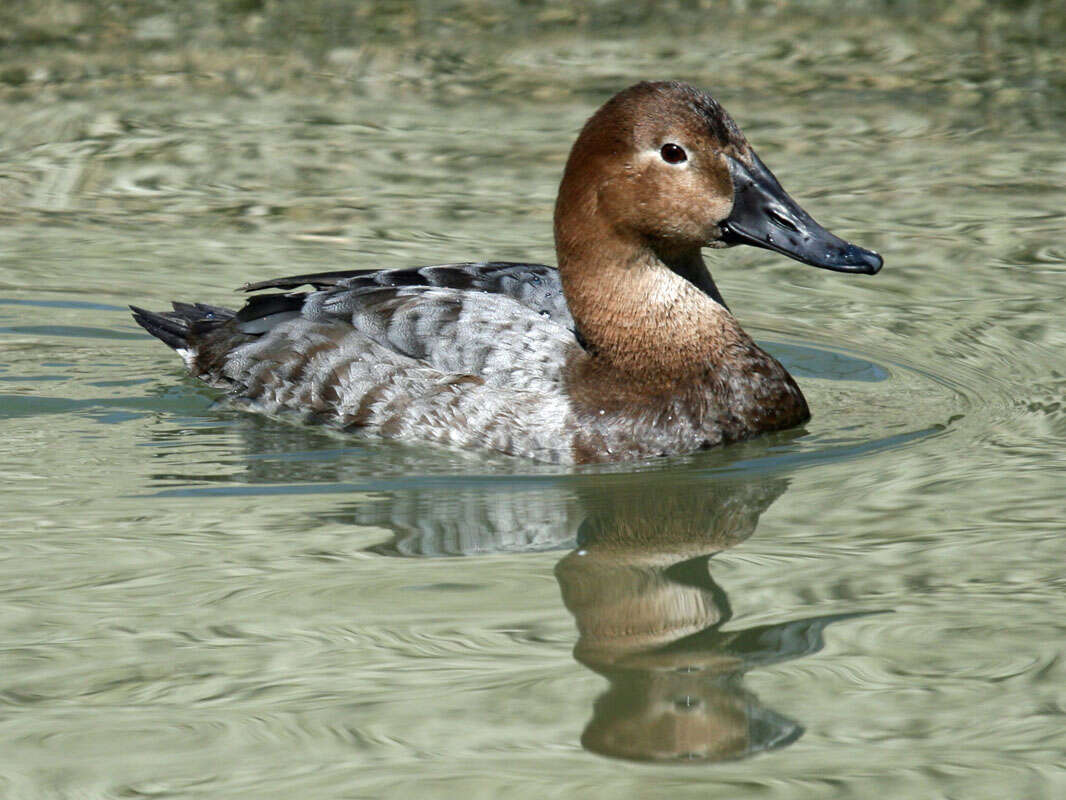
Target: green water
x,y
199,603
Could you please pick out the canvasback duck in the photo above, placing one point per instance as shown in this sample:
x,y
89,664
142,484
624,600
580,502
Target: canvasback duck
x,y
626,351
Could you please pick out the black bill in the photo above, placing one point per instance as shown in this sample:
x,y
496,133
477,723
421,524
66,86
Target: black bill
x,y
765,216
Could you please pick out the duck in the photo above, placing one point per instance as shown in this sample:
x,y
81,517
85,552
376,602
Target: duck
x,y
625,351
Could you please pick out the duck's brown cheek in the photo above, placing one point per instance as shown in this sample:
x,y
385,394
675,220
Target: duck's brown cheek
x,y
714,213
701,207
718,201
673,222
680,222
696,222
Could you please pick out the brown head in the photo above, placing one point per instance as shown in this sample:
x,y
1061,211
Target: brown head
x,y
651,164
659,172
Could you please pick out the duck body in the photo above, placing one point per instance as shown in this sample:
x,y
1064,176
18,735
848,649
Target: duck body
x,y
624,352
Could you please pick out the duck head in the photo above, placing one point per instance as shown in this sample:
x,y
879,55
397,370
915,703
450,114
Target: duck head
x,y
663,167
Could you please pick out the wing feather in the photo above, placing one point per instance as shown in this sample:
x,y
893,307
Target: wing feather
x,y
536,286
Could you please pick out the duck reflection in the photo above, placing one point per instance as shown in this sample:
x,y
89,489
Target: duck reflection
x,y
649,616
638,580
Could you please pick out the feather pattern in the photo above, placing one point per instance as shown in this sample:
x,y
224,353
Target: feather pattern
x,y
536,286
410,354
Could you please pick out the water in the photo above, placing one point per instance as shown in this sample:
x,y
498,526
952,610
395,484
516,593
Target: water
x,y
202,603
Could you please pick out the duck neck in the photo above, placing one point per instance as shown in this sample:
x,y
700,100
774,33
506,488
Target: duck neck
x,y
654,314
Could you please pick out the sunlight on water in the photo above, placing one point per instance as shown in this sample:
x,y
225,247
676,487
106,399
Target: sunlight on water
x,y
199,602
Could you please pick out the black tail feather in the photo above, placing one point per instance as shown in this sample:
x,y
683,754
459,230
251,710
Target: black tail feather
x,y
179,328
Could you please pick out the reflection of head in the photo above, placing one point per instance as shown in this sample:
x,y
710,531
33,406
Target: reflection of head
x,y
647,716
648,614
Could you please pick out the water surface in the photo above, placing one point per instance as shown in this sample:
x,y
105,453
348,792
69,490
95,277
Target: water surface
x,y
202,603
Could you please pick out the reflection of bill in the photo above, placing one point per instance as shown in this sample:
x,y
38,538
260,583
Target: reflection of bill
x,y
649,617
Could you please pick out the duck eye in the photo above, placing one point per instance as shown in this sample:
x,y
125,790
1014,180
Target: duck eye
x,y
673,153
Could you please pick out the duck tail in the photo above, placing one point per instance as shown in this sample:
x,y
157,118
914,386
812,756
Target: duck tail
x,y
185,326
